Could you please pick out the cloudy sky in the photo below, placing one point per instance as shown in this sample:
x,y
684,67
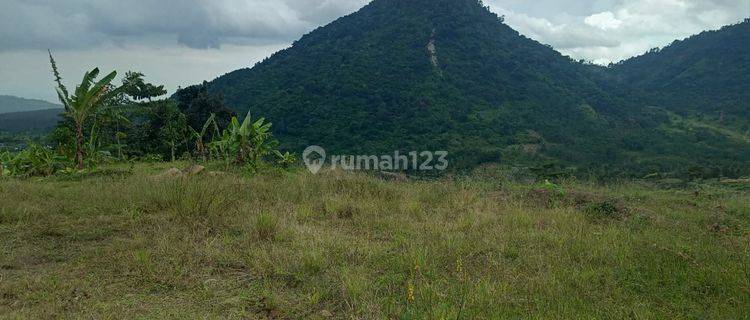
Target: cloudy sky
x,y
183,42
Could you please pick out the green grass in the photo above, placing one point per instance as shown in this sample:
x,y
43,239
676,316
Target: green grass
x,y
350,246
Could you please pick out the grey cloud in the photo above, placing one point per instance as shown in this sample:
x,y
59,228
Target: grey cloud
x,y
616,27
165,38
38,24
199,40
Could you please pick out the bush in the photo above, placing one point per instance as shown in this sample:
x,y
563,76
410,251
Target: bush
x,y
547,194
35,160
152,158
606,209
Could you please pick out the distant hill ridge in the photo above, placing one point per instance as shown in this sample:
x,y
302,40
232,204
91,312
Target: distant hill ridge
x,y
30,122
707,74
10,104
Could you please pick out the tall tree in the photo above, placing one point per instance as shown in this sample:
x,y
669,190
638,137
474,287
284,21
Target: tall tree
x,y
84,102
174,132
199,105
136,87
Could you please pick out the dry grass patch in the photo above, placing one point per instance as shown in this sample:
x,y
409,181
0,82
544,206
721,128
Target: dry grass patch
x,y
342,246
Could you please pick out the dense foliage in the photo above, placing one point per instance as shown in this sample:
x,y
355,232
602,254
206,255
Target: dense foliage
x,y
198,105
440,74
705,75
34,160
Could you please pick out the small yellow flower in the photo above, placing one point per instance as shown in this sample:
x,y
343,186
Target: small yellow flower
x,y
459,267
410,289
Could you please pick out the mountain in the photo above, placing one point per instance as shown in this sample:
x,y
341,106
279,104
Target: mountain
x,y
15,104
30,122
450,75
707,74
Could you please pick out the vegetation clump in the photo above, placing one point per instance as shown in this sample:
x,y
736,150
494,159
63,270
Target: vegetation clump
x,y
266,226
34,160
606,209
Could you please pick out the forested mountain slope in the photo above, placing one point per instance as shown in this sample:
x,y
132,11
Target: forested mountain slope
x,y
32,122
707,74
449,74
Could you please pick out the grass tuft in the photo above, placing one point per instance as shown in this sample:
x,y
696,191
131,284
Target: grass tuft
x,y
266,226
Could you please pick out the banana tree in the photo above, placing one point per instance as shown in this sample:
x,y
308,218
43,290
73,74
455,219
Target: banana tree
x,y
220,145
84,102
285,159
263,143
5,159
35,160
174,132
251,140
199,136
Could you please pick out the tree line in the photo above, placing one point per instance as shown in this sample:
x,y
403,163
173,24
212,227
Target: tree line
x,y
135,121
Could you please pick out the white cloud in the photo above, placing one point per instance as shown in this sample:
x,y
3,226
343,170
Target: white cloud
x,y
626,28
605,21
561,36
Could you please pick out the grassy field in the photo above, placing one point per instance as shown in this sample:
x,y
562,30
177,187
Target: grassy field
x,y
352,246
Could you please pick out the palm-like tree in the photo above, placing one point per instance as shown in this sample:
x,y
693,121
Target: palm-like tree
x,y
251,139
262,142
199,136
85,101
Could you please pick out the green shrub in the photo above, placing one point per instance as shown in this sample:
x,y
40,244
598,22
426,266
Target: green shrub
x,y
152,158
547,194
606,209
35,160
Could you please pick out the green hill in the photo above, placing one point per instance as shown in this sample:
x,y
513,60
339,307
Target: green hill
x,y
10,104
30,122
450,75
707,75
